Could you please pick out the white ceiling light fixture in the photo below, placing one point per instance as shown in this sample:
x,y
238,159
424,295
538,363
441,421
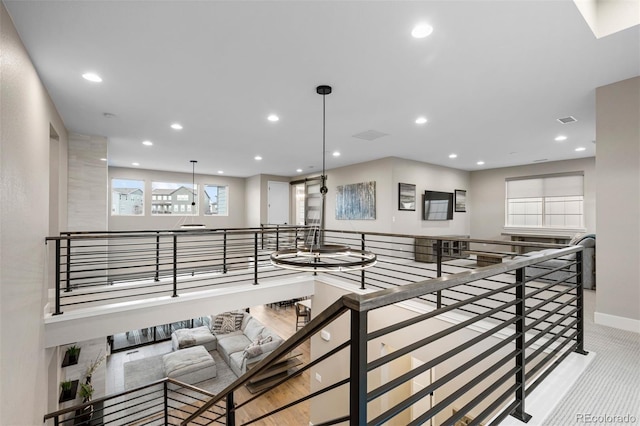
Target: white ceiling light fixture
x,y
176,126
480,163
257,158
422,30
92,77
421,120
147,143
336,154
560,138
453,155
318,256
581,148
103,159
135,164
273,118
299,170
220,172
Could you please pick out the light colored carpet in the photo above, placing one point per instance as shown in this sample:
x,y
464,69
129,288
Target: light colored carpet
x,y
610,386
148,370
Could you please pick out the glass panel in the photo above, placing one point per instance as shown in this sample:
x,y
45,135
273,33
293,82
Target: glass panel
x,y
127,197
172,198
216,200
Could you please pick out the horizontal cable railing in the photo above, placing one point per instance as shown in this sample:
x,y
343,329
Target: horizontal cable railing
x,y
485,339
164,402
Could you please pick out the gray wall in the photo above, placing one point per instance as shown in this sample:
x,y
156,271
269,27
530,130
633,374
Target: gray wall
x,y
387,173
487,194
235,219
618,189
88,192
26,117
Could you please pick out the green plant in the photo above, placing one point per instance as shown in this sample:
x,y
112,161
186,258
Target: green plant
x,y
73,350
95,364
85,392
65,386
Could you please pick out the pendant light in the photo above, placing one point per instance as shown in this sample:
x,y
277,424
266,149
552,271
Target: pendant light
x,y
193,198
318,256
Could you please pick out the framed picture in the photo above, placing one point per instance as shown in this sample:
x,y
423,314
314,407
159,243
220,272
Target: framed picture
x,y
461,200
406,196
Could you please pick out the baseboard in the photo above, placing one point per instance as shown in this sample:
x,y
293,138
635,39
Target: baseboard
x,y
615,321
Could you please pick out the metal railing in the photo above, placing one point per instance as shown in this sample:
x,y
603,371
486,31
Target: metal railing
x,y
164,402
498,332
101,268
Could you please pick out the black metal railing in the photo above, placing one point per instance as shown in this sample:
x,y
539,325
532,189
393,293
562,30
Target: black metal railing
x,y
497,333
164,402
100,268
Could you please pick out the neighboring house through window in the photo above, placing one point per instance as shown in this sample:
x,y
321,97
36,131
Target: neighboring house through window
x,y
216,200
127,197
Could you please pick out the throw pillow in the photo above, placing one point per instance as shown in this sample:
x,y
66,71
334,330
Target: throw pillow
x,y
238,316
255,348
228,323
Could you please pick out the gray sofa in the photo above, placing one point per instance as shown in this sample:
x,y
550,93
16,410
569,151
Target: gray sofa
x,y
588,241
241,341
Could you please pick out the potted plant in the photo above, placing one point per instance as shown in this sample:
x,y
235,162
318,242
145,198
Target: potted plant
x,y
65,386
93,366
85,392
72,353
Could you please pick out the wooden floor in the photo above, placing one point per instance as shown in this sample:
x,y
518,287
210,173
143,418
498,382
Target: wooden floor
x,y
282,320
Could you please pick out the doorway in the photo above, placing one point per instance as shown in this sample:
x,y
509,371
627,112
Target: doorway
x,y
278,203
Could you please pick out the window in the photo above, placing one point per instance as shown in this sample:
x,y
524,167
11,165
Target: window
x,y
552,201
174,198
127,197
216,200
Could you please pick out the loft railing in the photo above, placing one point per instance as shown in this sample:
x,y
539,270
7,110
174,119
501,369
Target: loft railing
x,y
498,333
101,268
164,402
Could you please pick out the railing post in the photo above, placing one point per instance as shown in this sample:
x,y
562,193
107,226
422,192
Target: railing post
x,y
231,413
580,304
157,277
439,270
57,312
358,383
519,412
224,252
68,263
362,245
166,407
277,237
175,265
255,258
261,237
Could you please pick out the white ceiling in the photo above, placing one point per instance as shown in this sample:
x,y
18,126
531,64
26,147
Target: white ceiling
x,y
492,79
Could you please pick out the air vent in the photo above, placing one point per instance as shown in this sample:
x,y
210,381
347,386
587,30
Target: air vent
x,y
567,120
370,135
541,160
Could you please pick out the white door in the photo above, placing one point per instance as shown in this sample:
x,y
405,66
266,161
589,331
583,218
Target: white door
x,y
418,383
278,203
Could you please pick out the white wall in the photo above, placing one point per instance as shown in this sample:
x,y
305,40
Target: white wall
x,y
235,218
618,189
387,173
26,116
487,194
253,201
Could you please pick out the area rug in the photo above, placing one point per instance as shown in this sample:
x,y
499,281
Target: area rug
x,y
147,370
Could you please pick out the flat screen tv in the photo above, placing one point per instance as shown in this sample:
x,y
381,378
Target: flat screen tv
x,y
437,205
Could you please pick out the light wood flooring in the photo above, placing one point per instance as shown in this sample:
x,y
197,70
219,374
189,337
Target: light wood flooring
x,y
280,319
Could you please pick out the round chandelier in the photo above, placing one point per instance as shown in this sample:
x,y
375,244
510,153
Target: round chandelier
x,y
317,256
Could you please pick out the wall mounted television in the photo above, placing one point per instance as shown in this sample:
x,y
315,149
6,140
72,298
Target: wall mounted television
x,y
437,205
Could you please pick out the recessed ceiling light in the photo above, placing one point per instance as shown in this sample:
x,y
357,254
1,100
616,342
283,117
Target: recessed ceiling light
x,y
336,154
299,170
93,77
561,138
480,163
176,126
273,118
135,164
220,172
257,157
581,148
103,159
421,30
453,155
147,143
421,120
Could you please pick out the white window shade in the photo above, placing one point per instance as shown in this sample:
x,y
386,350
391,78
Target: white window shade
x,y
547,186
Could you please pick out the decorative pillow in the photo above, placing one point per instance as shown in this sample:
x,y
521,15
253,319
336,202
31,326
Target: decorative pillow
x,y
255,348
238,317
224,323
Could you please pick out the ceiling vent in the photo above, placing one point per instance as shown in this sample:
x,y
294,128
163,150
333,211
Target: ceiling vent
x,y
370,135
567,120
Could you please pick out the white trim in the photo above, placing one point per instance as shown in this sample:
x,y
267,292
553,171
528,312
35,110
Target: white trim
x,y
623,323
